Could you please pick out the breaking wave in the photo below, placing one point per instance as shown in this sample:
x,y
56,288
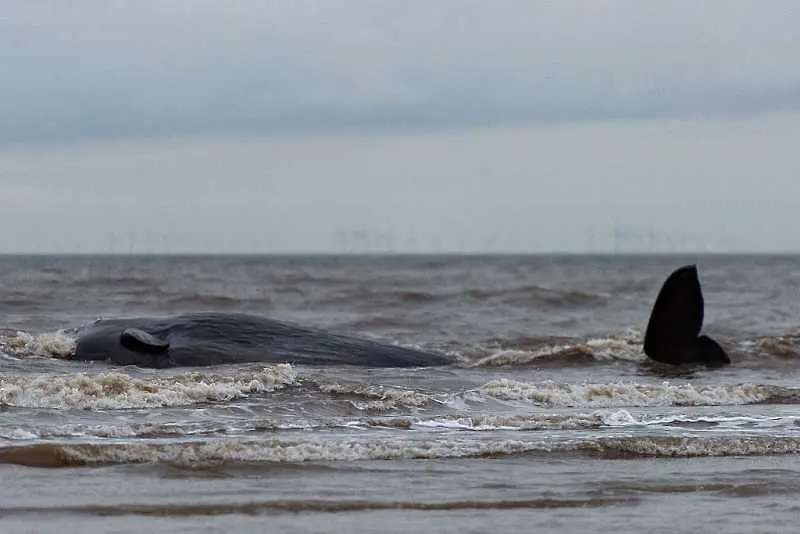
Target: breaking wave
x,y
602,349
475,423
239,451
122,429
58,344
117,390
557,394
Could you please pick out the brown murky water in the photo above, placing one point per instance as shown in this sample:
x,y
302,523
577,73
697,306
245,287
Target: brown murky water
x,y
551,420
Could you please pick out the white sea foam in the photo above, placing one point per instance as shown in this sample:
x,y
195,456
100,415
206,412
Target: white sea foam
x,y
603,349
373,397
445,424
556,394
110,390
57,344
490,422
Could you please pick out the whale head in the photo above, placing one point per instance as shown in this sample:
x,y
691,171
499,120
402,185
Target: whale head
x,y
119,341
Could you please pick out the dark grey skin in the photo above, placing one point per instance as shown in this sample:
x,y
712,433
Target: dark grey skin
x,y
673,334
203,339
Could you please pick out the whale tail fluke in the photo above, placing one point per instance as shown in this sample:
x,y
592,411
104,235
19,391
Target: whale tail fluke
x,y
706,350
673,331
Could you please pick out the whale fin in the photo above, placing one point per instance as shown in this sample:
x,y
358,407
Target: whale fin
x,y
709,352
140,341
676,321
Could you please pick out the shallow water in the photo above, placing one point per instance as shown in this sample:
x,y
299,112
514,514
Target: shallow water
x,y
551,419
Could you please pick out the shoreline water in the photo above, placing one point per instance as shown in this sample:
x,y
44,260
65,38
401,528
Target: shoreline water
x,y
552,418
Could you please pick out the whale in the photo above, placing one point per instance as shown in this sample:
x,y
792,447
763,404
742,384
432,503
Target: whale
x,y
673,335
211,338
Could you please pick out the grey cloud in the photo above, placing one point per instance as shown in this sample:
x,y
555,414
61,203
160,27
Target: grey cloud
x,y
91,69
720,184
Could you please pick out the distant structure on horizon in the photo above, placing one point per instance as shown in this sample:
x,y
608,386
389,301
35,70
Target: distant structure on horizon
x,y
618,239
627,240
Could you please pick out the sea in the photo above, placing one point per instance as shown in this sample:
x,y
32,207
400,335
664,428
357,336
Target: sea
x,y
551,418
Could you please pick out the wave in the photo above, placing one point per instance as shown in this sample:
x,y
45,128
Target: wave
x,y
624,346
472,423
593,350
272,507
117,281
223,451
531,295
522,295
121,429
781,347
373,396
557,394
687,446
213,301
493,422
57,344
118,390
201,454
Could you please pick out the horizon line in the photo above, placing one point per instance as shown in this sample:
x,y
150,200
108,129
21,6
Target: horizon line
x,y
454,253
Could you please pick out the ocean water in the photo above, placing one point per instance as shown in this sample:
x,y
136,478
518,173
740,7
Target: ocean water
x,y
551,419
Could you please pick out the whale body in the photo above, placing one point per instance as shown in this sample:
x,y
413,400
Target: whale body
x,y
673,330
209,338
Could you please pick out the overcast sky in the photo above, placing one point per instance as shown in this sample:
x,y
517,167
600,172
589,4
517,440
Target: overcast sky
x,y
437,125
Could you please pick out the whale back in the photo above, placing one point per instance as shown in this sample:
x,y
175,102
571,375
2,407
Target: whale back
x,y
212,338
676,321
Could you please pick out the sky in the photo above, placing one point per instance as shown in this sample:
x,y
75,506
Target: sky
x,y
436,126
